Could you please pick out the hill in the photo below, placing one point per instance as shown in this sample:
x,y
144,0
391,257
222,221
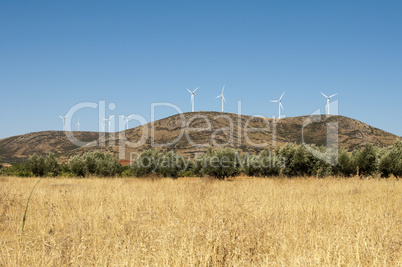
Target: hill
x,y
192,133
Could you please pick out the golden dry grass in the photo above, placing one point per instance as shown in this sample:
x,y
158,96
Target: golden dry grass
x,y
133,222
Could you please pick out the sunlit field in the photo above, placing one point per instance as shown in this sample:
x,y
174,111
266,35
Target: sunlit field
x,y
201,222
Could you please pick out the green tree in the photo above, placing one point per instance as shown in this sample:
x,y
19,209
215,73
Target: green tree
x,y
346,166
251,165
172,165
396,156
366,160
146,163
222,163
51,165
77,166
391,162
198,165
36,165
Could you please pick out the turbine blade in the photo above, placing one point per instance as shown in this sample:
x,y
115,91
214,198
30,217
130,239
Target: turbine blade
x,y
333,95
281,96
274,101
111,117
280,104
60,117
224,98
195,90
223,88
188,90
324,95
218,96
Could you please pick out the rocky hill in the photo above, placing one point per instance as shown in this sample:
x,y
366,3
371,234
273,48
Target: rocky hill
x,y
192,133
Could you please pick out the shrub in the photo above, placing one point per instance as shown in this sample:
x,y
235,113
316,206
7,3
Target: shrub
x,y
197,166
77,166
252,165
41,166
346,166
391,162
146,163
366,160
296,160
172,165
396,156
222,163
95,163
270,163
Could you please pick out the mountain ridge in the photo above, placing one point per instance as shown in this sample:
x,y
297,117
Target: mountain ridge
x,y
244,132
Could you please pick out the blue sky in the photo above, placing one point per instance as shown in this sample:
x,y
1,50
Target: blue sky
x,y
56,54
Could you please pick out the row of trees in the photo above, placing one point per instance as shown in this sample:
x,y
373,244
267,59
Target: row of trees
x,y
290,160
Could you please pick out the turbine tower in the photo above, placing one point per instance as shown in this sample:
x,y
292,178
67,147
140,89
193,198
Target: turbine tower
x,y
280,104
103,127
223,96
328,97
127,118
64,121
108,120
78,124
192,98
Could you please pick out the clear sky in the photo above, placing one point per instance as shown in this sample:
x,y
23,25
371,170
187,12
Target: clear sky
x,y
56,54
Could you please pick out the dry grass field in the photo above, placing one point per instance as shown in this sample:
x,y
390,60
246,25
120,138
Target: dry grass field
x,y
199,222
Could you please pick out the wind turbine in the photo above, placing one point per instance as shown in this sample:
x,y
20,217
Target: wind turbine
x,y
78,124
64,121
328,97
103,127
192,98
280,104
108,120
127,118
223,96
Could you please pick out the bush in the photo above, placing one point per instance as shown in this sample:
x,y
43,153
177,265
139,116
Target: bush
x,y
366,160
346,165
222,163
391,162
172,165
296,160
41,166
396,156
146,163
271,164
77,166
127,172
197,166
95,163
252,165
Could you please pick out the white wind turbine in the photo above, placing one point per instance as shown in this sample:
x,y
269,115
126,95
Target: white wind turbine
x,y
328,97
280,104
64,121
192,98
127,118
223,96
78,124
108,120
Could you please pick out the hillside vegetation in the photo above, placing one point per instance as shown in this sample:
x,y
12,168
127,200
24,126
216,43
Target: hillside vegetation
x,y
290,160
177,133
